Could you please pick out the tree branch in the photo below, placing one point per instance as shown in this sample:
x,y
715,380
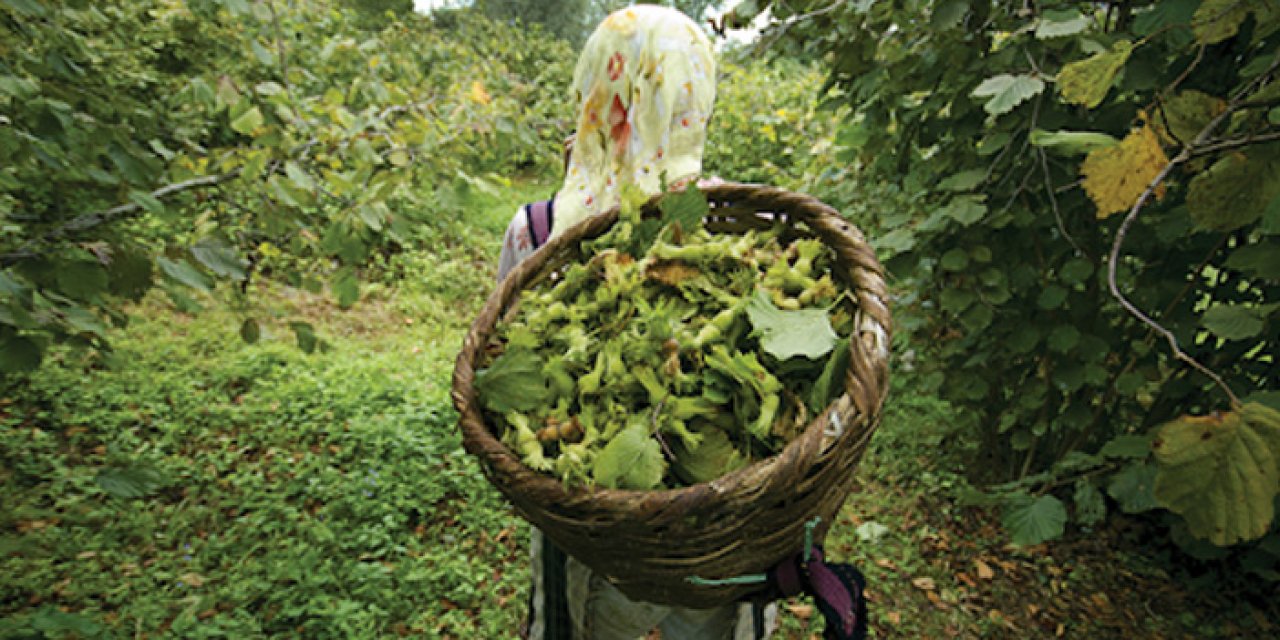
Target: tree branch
x,y
89,220
1223,145
1129,306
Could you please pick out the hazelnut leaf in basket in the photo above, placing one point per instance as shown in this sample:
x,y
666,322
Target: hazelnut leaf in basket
x,y
714,456
687,207
513,382
785,334
631,460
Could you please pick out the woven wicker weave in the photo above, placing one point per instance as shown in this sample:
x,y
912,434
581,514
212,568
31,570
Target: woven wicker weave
x,y
648,543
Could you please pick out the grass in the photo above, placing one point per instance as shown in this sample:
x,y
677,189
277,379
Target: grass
x,y
192,485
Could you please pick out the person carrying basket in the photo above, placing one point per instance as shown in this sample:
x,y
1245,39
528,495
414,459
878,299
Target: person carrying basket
x,y
645,87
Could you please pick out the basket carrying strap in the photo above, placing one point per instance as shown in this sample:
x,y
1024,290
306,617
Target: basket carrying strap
x,y
836,588
541,217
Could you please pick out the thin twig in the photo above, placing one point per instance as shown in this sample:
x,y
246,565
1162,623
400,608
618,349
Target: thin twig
x,y
1129,306
1053,202
1223,145
88,220
782,27
280,50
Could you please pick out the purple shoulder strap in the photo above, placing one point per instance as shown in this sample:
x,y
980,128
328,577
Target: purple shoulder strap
x,y
541,216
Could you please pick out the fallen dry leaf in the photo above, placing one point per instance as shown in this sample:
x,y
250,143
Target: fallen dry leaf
x,y
925,583
985,571
893,617
193,579
802,611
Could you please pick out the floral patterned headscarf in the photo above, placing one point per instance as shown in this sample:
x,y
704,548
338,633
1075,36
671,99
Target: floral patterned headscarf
x,y
645,87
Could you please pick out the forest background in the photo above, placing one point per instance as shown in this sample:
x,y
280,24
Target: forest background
x,y
240,241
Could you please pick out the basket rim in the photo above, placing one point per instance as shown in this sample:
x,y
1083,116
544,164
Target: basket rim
x,y
471,416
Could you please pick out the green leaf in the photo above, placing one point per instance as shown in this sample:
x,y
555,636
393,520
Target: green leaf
x,y
1221,472
1091,508
631,460
948,14
236,7
1134,488
1076,270
82,320
687,207
896,241
248,122
345,287
963,181
129,482
131,272
955,260
301,179
714,456
219,258
1271,218
19,354
182,272
1134,447
1059,23
830,382
1005,91
786,334
1051,297
955,300
1261,260
249,331
1063,338
305,334
1235,191
16,87
1086,82
31,8
1217,20
1188,112
52,622
1164,14
260,52
1034,520
148,202
1071,143
965,209
1232,321
81,279
512,382
1269,398
1024,338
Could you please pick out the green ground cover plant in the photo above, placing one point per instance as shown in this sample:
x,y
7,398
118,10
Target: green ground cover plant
x,y
240,241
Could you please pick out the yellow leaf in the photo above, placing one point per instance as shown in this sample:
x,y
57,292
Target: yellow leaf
x,y
478,94
1116,176
1087,81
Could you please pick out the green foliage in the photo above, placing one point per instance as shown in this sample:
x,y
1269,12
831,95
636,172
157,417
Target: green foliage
x,y
513,382
787,334
769,127
632,460
959,154
1034,520
195,485
200,145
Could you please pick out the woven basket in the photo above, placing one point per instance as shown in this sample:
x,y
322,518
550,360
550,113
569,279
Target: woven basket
x,y
649,543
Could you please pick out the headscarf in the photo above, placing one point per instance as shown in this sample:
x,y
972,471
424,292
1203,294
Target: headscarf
x,y
645,87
